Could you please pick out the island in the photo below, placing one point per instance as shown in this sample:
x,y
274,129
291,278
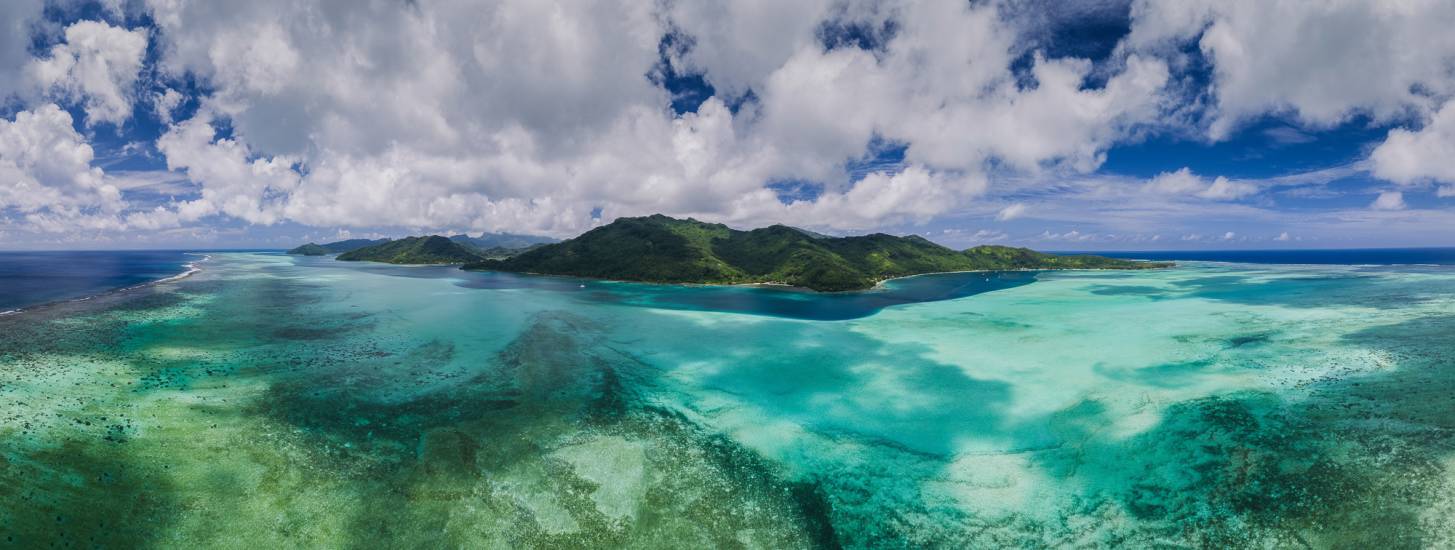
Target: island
x,y
432,249
502,241
314,249
310,249
662,249
427,249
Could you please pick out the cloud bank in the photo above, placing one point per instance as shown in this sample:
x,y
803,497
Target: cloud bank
x,y
543,116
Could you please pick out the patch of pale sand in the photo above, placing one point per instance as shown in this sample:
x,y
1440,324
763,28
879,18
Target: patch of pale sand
x,y
534,493
1436,518
617,467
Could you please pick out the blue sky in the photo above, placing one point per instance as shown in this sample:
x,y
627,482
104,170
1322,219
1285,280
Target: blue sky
x,y
1102,124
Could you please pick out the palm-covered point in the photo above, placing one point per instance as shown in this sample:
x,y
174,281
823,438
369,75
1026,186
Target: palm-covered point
x,y
662,249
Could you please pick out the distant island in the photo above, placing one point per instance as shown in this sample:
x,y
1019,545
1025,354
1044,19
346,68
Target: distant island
x,y
431,249
668,250
310,249
313,249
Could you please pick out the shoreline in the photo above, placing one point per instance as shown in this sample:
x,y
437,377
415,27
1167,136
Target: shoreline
x,y
775,285
881,282
191,269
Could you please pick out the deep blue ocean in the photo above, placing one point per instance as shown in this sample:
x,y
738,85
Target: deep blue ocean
x,y
32,278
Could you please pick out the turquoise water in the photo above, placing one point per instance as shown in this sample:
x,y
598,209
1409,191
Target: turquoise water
x,y
287,401
1334,256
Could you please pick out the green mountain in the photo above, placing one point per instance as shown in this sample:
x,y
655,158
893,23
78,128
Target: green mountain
x,y
433,249
310,249
352,244
501,252
662,249
505,241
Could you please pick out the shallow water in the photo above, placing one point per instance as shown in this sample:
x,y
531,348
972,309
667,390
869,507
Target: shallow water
x,y
294,401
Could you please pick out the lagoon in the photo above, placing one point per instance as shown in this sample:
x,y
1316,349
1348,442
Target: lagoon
x,y
290,401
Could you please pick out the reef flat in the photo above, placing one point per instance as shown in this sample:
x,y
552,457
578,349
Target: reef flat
x,y
290,401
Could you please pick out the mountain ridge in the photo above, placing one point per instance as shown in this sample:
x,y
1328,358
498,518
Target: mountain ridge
x,y
429,249
662,249
338,247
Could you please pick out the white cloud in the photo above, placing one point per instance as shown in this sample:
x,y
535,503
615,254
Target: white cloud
x,y
1184,182
988,236
96,65
1285,135
166,102
738,44
1069,236
1180,182
1225,189
1323,62
233,182
1011,212
529,115
1409,157
1106,205
1389,200
16,19
1282,237
45,168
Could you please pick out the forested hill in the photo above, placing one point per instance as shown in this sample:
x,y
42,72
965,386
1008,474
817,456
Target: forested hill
x,y
663,249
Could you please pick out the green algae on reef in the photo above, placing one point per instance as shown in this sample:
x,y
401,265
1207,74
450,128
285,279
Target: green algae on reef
x,y
265,402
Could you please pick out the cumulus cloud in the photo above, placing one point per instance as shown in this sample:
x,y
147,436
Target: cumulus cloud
x,y
738,44
45,167
1184,182
16,19
97,65
1322,62
1389,200
549,116
233,181
1011,212
1412,156
163,103
1181,181
532,115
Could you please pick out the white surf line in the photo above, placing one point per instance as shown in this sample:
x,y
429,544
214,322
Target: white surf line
x,y
191,269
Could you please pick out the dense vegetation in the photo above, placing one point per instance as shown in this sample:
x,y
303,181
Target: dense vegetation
x,y
433,249
662,249
427,250
310,249
502,242
313,249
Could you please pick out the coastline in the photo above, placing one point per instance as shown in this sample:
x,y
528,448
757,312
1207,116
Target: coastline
x,y
776,285
880,283
191,268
